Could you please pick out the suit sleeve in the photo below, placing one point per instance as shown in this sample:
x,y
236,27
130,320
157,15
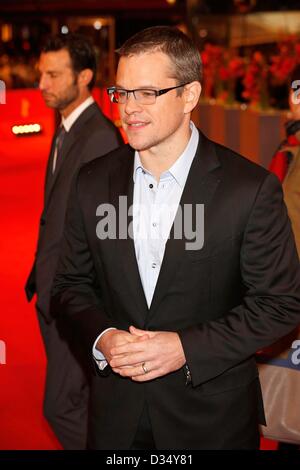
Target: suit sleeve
x,y
271,306
76,294
103,140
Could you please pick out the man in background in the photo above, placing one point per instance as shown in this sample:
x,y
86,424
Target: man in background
x,y
67,69
291,181
286,161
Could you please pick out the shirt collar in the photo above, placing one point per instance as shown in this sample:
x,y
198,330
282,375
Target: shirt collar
x,y
180,169
69,121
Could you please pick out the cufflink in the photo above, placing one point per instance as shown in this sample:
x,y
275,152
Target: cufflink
x,y
188,375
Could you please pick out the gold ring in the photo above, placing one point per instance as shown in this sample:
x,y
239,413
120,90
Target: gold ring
x,y
144,368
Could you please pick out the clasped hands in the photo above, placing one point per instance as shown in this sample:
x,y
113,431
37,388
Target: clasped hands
x,y
142,355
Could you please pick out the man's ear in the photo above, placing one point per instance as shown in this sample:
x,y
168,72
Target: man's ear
x,y
84,77
191,94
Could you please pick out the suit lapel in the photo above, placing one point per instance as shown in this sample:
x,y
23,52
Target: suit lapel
x,y
200,186
49,174
70,140
121,184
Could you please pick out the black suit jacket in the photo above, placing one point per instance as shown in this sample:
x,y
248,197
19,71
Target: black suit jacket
x,y
91,136
238,293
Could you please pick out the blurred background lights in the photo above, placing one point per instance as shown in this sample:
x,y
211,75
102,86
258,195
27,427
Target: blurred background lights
x,y
203,33
97,24
26,129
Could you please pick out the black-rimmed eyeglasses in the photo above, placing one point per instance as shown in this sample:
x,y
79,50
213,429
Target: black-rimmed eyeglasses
x,y
142,95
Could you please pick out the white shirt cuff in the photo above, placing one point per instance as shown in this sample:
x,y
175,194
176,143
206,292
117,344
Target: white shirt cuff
x,y
97,355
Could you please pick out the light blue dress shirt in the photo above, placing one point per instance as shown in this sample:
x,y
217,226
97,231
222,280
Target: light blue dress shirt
x,y
154,208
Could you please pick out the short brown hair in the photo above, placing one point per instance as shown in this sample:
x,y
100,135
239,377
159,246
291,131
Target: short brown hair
x,y
180,49
80,48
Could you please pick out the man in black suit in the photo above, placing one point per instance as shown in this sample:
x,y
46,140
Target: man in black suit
x,y
174,301
67,74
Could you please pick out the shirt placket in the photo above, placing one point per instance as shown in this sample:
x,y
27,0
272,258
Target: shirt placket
x,y
154,262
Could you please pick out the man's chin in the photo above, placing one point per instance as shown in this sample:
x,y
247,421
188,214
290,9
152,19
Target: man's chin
x,y
50,103
137,145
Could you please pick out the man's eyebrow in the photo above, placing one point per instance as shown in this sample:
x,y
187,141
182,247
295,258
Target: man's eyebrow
x,y
49,71
144,87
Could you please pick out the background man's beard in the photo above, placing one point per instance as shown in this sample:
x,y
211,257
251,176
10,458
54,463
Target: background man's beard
x,y
62,103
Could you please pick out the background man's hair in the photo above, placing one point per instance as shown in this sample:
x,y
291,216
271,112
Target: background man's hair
x,y
181,50
81,52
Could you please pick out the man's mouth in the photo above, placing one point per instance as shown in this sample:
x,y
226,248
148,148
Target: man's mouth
x,y
136,124
47,95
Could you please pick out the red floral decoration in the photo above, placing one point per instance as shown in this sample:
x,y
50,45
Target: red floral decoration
x,y
212,59
222,68
255,81
284,62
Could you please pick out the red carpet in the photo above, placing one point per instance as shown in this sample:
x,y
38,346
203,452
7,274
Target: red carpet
x,y
22,377
22,164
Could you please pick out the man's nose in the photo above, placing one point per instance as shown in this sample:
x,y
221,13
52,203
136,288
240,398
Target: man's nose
x,y
131,104
43,82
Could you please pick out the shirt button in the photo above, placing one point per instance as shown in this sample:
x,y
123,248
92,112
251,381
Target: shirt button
x,y
154,224
150,185
153,265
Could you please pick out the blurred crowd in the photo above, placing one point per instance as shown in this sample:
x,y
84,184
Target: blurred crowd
x,y
18,72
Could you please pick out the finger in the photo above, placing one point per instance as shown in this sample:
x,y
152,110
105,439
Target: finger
x,y
134,338
117,369
135,371
141,338
129,348
119,343
146,377
126,371
121,340
127,360
136,331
